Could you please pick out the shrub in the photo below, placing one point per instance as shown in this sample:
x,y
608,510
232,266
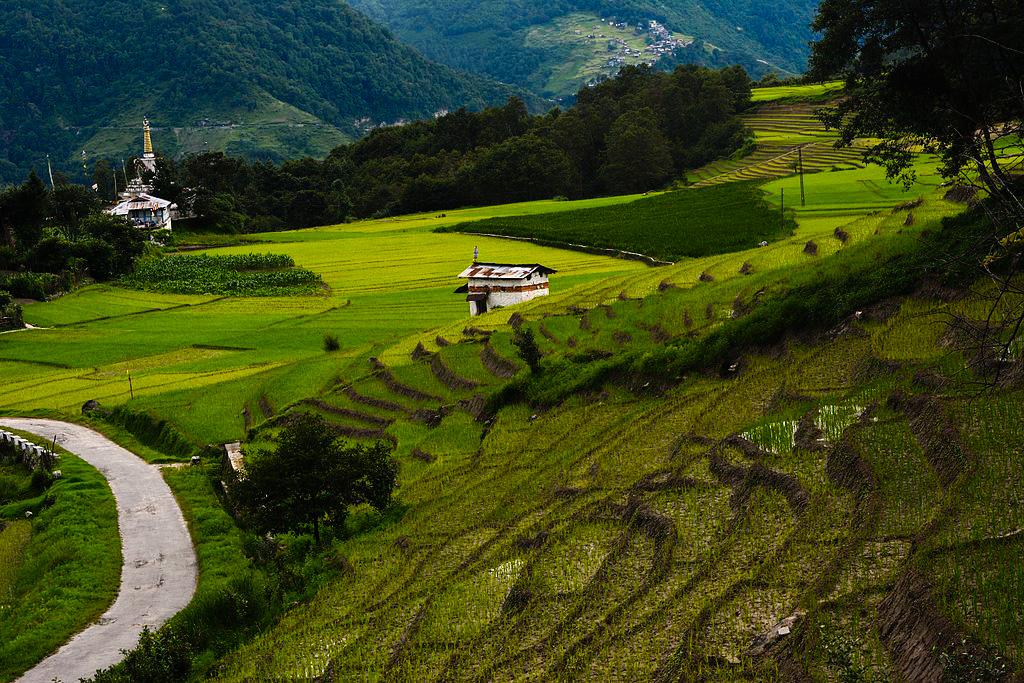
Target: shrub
x,y
311,478
152,431
39,286
526,345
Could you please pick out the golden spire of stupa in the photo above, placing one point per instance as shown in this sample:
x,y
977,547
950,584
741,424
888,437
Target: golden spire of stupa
x,y
147,139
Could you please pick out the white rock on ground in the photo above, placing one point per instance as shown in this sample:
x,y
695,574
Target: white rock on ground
x,y
158,577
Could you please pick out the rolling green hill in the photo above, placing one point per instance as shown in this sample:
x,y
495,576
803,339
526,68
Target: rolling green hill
x,y
555,47
254,77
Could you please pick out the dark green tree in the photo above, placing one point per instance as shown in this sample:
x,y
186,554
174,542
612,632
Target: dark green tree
x,y
110,245
526,346
521,168
103,179
311,478
70,204
23,211
945,75
638,157
166,180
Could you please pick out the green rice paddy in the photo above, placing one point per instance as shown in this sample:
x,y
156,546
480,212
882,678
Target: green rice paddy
x,y
670,226
811,92
206,361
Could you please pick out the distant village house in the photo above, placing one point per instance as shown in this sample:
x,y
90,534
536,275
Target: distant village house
x,y
494,285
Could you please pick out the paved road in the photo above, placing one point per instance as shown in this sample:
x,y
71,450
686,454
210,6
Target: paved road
x,y
158,577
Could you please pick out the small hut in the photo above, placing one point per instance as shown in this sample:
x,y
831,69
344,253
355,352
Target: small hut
x,y
494,285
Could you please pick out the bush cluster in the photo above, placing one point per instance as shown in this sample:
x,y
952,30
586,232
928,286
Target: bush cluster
x,y
242,275
55,238
10,312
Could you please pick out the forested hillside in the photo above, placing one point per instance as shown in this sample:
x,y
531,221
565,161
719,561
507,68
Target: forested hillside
x,y
255,77
631,134
493,36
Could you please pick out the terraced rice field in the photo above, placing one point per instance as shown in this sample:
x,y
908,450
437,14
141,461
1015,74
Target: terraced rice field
x,y
671,536
834,508
814,91
783,133
217,366
631,537
859,204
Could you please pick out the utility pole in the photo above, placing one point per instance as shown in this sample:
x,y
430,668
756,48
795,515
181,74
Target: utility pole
x,y
800,162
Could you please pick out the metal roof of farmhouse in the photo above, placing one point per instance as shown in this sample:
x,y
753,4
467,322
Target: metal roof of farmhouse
x,y
505,271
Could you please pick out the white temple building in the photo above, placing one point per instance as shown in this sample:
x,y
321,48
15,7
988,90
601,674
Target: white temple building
x,y
146,211
138,204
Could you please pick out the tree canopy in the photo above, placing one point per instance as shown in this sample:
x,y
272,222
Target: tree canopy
x,y
311,478
945,75
628,134
50,239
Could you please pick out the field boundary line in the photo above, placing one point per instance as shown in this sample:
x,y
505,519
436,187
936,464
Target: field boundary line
x,y
598,251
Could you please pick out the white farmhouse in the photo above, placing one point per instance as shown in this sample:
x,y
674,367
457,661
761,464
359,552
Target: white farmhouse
x,y
494,285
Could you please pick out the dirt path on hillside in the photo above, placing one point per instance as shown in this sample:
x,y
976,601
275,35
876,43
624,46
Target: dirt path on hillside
x,y
158,576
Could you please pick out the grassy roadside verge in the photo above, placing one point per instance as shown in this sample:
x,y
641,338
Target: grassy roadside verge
x,y
244,584
68,569
226,586
149,439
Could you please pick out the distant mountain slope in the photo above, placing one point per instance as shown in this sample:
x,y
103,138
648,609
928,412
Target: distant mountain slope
x,y
290,76
492,36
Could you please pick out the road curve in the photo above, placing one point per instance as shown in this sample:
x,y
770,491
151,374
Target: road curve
x,y
158,577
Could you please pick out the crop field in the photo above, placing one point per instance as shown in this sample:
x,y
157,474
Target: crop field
x,y
237,275
842,209
623,537
640,538
799,93
787,132
217,364
669,226
823,486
